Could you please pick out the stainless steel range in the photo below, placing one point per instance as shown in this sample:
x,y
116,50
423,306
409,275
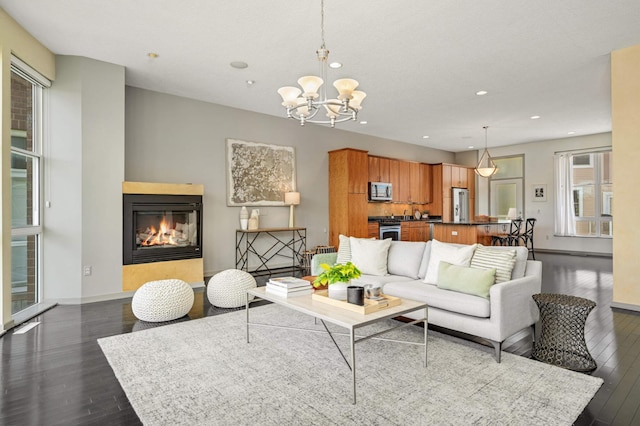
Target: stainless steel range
x,y
390,229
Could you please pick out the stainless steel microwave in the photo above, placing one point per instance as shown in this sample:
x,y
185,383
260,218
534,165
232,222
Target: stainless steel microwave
x,y
380,191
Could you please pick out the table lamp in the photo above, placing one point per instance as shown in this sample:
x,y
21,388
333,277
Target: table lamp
x,y
291,199
512,213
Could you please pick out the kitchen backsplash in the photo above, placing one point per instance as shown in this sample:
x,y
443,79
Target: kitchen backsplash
x,y
388,209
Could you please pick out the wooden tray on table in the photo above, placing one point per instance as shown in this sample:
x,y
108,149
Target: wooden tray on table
x,y
369,305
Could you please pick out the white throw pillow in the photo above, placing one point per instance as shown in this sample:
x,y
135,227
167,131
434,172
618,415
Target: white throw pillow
x,y
344,250
460,256
500,260
370,256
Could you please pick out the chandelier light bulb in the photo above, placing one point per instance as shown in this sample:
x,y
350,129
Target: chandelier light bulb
x,y
357,97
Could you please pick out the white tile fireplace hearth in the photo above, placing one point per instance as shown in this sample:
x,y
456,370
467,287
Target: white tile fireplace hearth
x,y
162,233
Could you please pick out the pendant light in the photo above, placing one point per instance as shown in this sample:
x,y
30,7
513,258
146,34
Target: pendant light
x,y
486,167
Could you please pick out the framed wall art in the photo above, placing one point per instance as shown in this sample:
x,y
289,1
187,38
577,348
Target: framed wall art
x,y
259,174
540,192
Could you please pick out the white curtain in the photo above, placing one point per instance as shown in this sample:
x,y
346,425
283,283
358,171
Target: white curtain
x,y
565,223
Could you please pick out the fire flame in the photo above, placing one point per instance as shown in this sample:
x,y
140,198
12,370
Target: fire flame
x,y
164,237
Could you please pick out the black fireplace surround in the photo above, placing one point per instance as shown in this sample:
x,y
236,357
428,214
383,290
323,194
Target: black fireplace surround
x,y
158,228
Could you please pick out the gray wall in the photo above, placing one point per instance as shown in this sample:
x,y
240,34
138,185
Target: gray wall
x,y
84,169
178,140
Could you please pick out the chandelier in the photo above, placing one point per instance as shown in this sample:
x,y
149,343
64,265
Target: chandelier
x,y
306,105
486,167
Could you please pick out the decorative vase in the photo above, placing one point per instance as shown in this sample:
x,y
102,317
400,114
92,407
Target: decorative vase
x,y
244,218
338,291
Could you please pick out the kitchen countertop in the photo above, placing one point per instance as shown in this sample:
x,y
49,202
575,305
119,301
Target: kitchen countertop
x,y
399,219
474,223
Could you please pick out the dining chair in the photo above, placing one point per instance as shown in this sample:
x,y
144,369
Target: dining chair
x,y
527,236
510,239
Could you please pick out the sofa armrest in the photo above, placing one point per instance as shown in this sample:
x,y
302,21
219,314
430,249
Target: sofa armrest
x,y
512,306
317,259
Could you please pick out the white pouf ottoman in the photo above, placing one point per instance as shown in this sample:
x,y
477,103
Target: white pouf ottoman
x,y
162,300
228,289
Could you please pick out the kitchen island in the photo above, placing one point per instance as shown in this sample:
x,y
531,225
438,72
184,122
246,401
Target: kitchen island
x,y
469,232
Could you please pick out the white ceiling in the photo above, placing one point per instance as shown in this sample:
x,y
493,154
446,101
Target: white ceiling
x,y
420,62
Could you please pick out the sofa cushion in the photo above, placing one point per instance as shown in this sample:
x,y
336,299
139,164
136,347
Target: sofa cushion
x,y
424,264
522,254
457,255
379,281
462,279
370,256
502,261
405,258
439,298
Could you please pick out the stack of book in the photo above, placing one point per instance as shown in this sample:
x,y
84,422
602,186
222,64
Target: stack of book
x,y
288,287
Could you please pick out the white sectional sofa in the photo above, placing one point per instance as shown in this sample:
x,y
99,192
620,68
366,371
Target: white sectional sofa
x,y
412,271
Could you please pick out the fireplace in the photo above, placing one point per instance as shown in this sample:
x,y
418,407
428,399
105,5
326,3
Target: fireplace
x,y
159,227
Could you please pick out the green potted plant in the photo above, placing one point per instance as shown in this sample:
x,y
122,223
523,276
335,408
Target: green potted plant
x,y
337,278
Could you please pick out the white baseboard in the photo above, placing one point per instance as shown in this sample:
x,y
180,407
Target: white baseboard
x,y
626,306
107,297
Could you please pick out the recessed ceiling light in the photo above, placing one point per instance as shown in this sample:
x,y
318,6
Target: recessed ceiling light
x,y
571,133
470,147
363,122
250,82
425,137
335,65
535,117
481,92
239,65
152,55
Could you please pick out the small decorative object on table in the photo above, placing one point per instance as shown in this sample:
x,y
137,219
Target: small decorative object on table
x,y
337,277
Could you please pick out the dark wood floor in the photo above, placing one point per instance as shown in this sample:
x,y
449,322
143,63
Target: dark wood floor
x,y
56,373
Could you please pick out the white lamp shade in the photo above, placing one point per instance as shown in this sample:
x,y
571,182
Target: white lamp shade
x,y
289,95
345,87
292,198
356,99
310,85
303,107
512,213
333,110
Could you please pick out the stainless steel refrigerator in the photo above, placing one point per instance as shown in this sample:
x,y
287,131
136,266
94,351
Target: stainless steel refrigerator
x,y
460,205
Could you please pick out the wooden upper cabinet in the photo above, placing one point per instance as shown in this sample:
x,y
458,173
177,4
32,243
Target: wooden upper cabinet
x,y
424,190
404,181
458,177
471,182
358,171
374,169
435,209
446,180
379,169
394,179
414,183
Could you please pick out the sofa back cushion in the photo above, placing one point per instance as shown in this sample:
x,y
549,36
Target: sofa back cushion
x,y
370,256
405,258
502,261
452,253
522,254
424,264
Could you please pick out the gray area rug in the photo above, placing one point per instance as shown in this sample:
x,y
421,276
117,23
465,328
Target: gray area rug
x,y
203,372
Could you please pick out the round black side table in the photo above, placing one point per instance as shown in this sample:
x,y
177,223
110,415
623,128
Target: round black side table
x,y
561,341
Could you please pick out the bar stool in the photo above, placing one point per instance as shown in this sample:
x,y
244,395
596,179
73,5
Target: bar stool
x,y
527,236
512,238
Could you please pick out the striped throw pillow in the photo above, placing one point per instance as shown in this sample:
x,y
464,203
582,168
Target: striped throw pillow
x,y
502,261
344,250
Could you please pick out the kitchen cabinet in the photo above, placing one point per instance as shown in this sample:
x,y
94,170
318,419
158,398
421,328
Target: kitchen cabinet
x,y
404,181
415,231
394,178
348,175
480,233
435,209
459,177
411,187
379,169
424,187
374,230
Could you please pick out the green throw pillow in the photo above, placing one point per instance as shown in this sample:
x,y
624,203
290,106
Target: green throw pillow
x,y
462,279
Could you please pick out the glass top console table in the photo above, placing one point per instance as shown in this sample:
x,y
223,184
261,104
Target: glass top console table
x,y
266,251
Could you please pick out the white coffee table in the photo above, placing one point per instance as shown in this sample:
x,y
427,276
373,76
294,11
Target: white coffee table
x,y
345,318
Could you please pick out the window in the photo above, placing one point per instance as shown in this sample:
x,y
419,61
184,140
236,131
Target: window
x,y
585,181
26,164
